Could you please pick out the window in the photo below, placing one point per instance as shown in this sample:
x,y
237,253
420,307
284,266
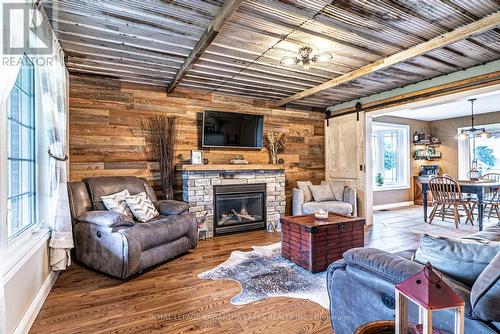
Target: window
x,y
487,152
21,165
390,155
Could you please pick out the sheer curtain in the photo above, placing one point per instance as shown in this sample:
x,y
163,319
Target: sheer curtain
x,y
52,80
464,158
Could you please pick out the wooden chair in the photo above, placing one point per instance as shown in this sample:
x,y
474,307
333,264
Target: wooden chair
x,y
492,198
447,194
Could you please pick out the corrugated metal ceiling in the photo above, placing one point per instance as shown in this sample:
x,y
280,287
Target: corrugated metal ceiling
x,y
148,41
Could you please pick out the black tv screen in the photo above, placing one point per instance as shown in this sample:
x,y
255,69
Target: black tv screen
x,y
227,129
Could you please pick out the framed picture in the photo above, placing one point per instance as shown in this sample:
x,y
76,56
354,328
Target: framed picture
x,y
196,157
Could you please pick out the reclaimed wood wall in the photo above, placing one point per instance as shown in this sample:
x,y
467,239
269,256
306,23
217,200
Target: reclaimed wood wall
x,y
106,139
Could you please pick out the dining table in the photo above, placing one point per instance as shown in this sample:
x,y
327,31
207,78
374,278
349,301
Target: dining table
x,y
479,188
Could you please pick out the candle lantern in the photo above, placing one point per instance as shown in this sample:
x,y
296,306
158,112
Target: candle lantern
x,y
430,293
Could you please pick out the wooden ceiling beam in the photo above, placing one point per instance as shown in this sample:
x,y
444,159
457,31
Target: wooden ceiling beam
x,y
225,12
487,23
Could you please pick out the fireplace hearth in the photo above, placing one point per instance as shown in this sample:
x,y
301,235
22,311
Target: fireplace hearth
x,y
239,207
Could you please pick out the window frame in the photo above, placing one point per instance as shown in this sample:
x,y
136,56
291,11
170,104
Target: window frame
x,y
28,228
403,157
465,147
18,250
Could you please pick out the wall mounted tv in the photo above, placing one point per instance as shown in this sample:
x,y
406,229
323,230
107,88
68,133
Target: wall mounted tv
x,y
228,129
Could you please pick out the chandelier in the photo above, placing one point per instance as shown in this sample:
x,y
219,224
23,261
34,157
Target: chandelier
x,y
305,58
473,132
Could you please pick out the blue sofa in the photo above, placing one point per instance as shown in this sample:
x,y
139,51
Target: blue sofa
x,y
361,285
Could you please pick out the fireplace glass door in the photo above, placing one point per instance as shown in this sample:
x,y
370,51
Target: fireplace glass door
x,y
239,207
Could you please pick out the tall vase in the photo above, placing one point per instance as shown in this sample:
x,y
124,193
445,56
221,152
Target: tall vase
x,y
274,158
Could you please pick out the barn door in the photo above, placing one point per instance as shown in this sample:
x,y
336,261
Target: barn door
x,y
346,157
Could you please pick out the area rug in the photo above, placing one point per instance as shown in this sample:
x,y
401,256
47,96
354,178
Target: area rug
x,y
264,273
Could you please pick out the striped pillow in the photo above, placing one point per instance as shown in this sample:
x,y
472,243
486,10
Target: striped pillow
x,y
142,207
116,202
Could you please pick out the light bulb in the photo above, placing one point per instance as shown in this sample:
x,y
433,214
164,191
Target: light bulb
x,y
323,57
484,134
287,60
462,136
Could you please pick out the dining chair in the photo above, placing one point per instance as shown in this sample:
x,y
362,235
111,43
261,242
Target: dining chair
x,y
492,198
447,194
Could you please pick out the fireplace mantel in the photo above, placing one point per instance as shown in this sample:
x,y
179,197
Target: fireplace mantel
x,y
229,167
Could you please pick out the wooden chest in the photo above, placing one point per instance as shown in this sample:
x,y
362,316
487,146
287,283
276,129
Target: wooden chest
x,y
314,244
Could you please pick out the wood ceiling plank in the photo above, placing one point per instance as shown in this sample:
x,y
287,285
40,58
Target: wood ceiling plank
x,y
489,22
225,12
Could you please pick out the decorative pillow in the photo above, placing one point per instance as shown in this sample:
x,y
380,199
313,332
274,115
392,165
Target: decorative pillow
x,y
304,186
337,189
460,259
142,207
322,193
116,202
485,293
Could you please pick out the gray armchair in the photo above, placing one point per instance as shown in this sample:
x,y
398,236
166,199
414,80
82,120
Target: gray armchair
x,y
114,243
361,285
344,199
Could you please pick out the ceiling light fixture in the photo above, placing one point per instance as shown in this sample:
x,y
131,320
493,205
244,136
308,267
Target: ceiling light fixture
x,y
305,58
473,132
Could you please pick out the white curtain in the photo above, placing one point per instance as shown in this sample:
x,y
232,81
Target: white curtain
x,y
52,80
464,158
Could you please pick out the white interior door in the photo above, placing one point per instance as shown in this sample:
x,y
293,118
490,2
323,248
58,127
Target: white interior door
x,y
346,152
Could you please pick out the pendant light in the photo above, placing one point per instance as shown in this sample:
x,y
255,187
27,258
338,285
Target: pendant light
x,y
473,133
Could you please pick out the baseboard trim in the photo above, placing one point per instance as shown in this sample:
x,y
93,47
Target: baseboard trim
x,y
31,313
392,206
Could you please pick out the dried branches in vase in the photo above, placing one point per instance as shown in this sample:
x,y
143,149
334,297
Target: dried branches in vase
x,y
275,142
160,135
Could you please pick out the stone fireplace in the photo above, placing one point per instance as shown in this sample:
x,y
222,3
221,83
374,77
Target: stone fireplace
x,y
234,198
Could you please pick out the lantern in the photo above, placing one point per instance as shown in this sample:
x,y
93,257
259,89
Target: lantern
x,y
474,174
430,293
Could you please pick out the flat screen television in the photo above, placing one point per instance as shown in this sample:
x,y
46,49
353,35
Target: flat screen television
x,y
228,129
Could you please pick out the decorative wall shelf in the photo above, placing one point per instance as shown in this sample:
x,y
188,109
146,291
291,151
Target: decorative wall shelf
x,y
428,149
429,154
426,143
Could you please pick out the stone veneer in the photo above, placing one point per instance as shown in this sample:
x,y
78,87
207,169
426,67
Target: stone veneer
x,y
197,190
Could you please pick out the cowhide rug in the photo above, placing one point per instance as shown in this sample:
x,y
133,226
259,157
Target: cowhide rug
x,y
263,273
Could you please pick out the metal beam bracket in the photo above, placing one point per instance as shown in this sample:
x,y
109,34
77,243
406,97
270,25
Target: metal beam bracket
x,y
358,107
328,115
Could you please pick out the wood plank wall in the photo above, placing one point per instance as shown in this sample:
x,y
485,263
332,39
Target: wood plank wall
x,y
105,135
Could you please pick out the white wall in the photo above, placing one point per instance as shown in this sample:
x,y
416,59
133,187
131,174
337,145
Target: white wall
x,y
22,287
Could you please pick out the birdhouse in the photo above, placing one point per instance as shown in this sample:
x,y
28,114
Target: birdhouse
x,y
430,293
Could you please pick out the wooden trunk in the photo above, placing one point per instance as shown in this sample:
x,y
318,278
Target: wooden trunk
x,y
315,247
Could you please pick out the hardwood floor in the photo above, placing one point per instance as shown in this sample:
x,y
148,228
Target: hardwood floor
x,y
172,299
